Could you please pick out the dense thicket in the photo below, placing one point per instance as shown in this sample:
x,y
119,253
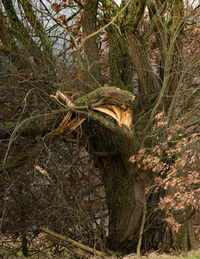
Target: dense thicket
x,y
126,181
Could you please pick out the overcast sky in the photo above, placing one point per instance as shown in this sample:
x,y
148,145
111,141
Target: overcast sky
x,y
118,1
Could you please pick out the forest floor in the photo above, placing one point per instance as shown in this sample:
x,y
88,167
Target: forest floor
x,y
43,249
153,255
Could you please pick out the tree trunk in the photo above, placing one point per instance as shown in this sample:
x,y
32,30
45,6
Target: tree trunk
x,y
9,48
125,199
120,63
40,32
125,196
148,81
124,187
92,63
28,45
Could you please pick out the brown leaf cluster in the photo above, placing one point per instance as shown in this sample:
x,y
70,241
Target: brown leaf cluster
x,y
175,162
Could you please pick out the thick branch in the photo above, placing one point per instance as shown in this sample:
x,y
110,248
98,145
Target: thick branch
x,y
40,32
139,13
22,34
148,81
74,243
92,64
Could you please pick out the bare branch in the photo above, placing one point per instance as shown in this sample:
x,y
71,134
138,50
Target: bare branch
x,y
74,243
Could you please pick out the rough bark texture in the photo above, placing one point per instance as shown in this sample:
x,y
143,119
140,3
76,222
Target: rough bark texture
x,y
125,196
92,64
120,63
27,46
124,186
174,67
148,81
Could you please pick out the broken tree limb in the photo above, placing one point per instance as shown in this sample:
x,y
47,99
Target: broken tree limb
x,y
74,243
112,101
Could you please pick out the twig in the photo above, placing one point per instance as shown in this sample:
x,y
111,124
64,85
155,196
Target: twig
x,y
141,229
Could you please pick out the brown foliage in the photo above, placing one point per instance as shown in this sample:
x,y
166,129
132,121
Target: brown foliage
x,y
175,163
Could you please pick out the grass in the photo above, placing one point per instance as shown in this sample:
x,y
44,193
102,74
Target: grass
x,y
8,253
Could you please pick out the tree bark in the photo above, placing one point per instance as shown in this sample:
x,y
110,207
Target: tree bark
x,y
23,36
148,81
92,62
124,187
120,63
9,47
125,200
39,29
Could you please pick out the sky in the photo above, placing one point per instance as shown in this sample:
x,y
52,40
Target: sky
x,y
118,1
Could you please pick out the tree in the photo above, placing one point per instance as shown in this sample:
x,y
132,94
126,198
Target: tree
x,y
148,48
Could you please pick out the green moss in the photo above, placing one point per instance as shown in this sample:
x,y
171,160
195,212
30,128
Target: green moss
x,y
123,194
92,96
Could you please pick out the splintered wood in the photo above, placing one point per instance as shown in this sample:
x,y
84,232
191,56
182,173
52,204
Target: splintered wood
x,y
120,113
66,125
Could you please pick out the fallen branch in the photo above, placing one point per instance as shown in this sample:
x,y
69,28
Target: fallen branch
x,y
74,243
